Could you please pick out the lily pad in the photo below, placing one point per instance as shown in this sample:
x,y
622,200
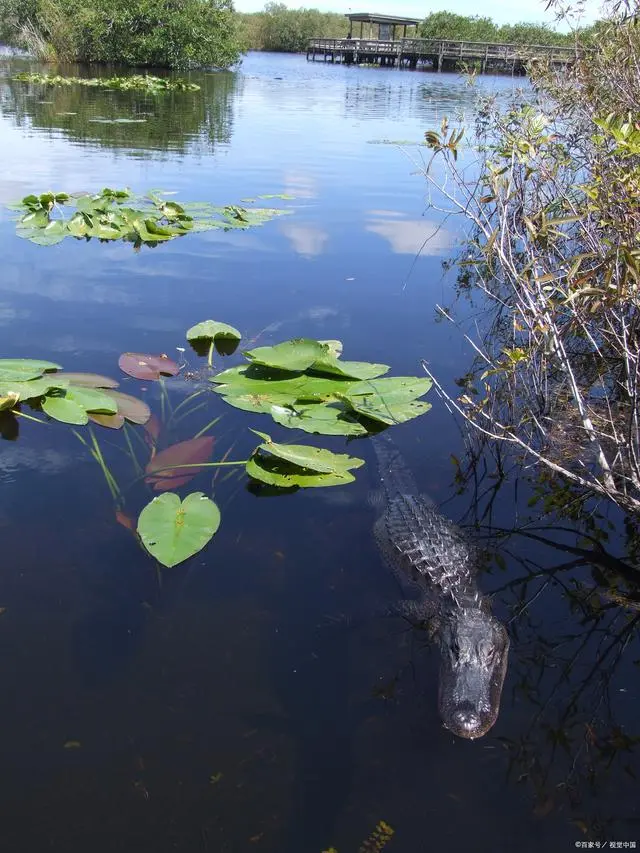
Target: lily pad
x,y
109,421
173,530
290,465
349,369
23,369
293,355
211,329
317,418
144,366
90,380
67,411
92,400
389,401
33,388
131,408
161,471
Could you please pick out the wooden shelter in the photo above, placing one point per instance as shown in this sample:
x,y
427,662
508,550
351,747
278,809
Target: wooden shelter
x,y
386,25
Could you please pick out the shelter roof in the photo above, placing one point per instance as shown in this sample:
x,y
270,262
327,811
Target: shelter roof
x,y
367,18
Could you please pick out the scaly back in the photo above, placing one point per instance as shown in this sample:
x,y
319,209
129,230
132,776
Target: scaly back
x,y
421,546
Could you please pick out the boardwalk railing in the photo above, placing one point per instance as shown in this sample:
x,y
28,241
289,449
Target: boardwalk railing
x,y
414,49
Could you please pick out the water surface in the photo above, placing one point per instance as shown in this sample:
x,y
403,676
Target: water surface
x,y
251,699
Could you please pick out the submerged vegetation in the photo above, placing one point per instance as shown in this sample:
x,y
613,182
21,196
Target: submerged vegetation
x,y
142,82
119,215
300,383
555,246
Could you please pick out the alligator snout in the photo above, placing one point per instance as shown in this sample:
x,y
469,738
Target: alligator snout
x,y
465,722
474,648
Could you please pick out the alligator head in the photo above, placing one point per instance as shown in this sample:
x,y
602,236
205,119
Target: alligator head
x,y
474,647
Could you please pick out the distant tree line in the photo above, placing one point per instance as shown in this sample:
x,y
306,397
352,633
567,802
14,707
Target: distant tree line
x,y
278,28
286,30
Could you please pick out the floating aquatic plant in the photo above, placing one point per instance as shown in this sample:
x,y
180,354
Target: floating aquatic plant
x,y
301,383
48,218
144,82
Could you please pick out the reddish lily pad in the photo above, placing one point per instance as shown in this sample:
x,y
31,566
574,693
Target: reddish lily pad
x,y
160,471
110,421
144,366
90,380
131,408
152,429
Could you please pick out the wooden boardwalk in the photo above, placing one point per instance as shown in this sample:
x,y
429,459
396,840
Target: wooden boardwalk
x,y
439,54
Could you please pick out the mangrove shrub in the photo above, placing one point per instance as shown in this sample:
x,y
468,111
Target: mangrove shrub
x,y
152,33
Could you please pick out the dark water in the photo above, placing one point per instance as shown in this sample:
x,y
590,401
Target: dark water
x,y
225,705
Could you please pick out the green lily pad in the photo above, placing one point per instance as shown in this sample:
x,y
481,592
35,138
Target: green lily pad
x,y
92,400
67,411
389,401
23,369
349,369
257,402
393,413
288,465
278,385
317,418
333,347
173,530
211,329
278,472
34,388
293,355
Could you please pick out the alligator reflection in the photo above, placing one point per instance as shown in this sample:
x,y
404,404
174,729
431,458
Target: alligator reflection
x,y
184,122
575,602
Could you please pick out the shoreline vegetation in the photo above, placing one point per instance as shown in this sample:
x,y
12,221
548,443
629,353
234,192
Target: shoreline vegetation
x,y
186,34
554,246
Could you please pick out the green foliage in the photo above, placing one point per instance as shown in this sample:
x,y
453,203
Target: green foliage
x,y
304,385
289,465
119,215
555,246
301,383
152,33
73,398
173,530
459,27
278,28
448,25
144,82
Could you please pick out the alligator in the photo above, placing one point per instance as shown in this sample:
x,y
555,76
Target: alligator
x,y
435,564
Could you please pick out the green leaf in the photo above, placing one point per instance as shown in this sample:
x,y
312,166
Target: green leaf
x,y
32,389
350,369
255,379
317,418
312,458
211,329
172,530
22,369
67,411
392,413
292,355
278,472
92,400
389,401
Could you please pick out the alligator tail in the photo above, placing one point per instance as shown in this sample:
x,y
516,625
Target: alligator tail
x,y
395,477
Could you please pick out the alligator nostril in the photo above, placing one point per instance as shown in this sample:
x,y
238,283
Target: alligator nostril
x,y
466,720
